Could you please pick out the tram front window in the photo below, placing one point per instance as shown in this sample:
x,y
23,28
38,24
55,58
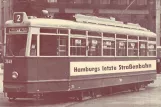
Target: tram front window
x,y
16,45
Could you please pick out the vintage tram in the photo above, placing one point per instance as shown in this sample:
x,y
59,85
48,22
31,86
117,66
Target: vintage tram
x,y
54,56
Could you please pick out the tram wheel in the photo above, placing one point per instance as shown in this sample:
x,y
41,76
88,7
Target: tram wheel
x,y
132,90
11,99
80,96
143,86
136,88
93,94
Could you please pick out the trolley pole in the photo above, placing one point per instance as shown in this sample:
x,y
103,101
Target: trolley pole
x,y
158,21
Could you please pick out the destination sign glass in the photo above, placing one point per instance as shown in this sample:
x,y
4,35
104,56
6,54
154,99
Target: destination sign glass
x,y
17,30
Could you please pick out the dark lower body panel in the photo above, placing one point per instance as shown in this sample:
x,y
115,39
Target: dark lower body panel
x,y
74,84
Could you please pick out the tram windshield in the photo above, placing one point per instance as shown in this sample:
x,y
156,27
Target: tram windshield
x,y
16,45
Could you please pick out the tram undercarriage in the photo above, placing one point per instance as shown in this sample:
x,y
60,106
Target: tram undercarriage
x,y
81,94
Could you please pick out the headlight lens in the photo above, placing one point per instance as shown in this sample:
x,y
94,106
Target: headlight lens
x,y
14,75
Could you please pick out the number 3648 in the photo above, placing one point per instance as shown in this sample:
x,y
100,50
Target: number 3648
x,y
8,61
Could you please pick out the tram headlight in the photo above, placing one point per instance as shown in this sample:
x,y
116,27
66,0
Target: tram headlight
x,y
14,75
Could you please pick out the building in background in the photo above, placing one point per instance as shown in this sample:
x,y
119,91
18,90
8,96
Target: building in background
x,y
135,11
6,11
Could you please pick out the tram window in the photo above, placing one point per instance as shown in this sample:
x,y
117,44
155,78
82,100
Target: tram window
x,y
33,48
142,38
158,51
152,39
122,36
94,47
62,46
48,45
121,47
80,32
108,48
132,49
16,45
62,31
91,33
142,48
1,54
48,30
78,46
133,37
108,35
152,49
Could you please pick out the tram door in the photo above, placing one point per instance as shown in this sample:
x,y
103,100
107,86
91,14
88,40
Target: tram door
x,y
158,59
33,48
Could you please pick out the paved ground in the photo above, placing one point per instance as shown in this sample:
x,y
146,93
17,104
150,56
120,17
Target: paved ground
x,y
1,79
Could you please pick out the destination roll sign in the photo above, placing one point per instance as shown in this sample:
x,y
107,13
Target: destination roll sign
x,y
17,30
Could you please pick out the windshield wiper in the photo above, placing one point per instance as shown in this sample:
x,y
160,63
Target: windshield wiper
x,y
11,52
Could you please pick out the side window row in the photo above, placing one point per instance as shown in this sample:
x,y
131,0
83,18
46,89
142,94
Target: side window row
x,y
106,45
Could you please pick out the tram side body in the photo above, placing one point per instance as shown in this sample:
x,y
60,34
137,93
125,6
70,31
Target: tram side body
x,y
158,59
40,76
158,65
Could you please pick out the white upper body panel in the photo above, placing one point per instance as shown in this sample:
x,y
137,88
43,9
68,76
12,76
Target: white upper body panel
x,y
60,23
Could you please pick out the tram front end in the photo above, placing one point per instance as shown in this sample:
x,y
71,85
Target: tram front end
x,y
18,82
26,74
19,70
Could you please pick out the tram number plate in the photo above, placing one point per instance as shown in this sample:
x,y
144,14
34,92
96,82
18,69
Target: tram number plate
x,y
8,61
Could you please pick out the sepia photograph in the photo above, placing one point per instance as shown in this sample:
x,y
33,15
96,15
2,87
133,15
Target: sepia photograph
x,y
80,53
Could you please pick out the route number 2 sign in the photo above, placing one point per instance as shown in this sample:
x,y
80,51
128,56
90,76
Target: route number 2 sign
x,y
18,17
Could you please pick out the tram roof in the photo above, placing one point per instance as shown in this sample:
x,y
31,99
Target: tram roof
x,y
60,23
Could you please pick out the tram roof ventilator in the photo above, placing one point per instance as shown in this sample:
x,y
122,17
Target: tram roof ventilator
x,y
107,21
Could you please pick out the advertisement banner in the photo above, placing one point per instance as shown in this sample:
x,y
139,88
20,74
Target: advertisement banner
x,y
106,67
